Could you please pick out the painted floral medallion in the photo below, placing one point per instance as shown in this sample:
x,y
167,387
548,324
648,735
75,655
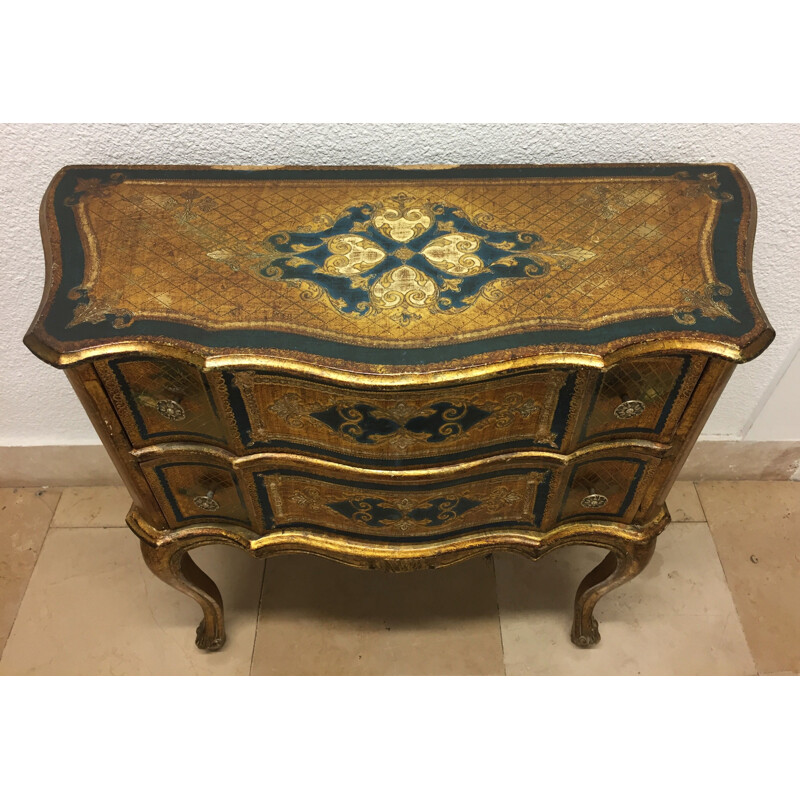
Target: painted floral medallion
x,y
403,256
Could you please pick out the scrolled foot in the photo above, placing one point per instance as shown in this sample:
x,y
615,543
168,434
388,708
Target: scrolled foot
x,y
208,640
588,638
172,564
620,565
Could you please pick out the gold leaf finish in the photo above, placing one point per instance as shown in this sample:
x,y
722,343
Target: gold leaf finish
x,y
176,274
399,367
402,224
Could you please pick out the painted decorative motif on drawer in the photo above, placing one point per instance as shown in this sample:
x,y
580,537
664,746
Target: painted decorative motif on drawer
x,y
401,255
407,424
414,511
406,513
364,422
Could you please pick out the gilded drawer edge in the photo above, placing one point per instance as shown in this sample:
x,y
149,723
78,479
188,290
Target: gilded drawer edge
x,y
673,407
642,446
163,490
633,488
432,511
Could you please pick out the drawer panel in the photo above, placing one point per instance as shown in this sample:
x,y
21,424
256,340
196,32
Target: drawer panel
x,y
603,487
190,490
161,400
282,491
642,398
422,425
385,509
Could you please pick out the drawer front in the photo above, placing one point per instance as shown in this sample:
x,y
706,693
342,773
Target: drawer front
x,y
160,400
192,490
422,425
642,398
604,487
379,509
283,491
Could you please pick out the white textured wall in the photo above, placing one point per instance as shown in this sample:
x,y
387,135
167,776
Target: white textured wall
x,y
779,420
36,403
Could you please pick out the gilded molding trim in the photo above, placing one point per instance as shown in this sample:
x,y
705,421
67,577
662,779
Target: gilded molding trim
x,y
641,447
419,555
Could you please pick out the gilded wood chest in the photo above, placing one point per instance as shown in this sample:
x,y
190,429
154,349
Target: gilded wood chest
x,y
398,367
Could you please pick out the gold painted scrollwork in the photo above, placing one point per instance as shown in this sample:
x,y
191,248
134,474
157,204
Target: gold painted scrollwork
x,y
404,286
705,302
706,183
562,254
290,407
352,255
94,312
454,253
400,223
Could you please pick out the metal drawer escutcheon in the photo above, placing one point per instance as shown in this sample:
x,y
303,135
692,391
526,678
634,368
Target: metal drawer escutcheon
x,y
206,502
629,409
594,501
170,409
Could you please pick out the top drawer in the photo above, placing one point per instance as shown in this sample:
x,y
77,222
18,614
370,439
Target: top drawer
x,y
160,400
554,410
643,398
421,425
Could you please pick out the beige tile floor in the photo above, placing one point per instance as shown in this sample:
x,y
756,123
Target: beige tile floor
x,y
720,597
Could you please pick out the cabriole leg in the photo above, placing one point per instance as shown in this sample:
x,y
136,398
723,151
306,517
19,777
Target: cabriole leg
x,y
173,564
618,567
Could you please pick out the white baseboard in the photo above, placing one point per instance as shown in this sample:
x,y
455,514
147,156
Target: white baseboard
x,y
742,461
89,465
57,465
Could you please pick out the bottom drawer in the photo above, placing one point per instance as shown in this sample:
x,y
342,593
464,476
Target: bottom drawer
x,y
602,487
381,508
191,490
272,492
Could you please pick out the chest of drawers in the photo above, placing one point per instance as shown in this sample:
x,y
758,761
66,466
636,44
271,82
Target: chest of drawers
x,y
398,367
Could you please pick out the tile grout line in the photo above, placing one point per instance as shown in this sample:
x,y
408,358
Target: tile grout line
x,y
258,615
705,514
499,621
725,575
33,569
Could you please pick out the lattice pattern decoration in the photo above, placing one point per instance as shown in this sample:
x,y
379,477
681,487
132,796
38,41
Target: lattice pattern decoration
x,y
597,250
